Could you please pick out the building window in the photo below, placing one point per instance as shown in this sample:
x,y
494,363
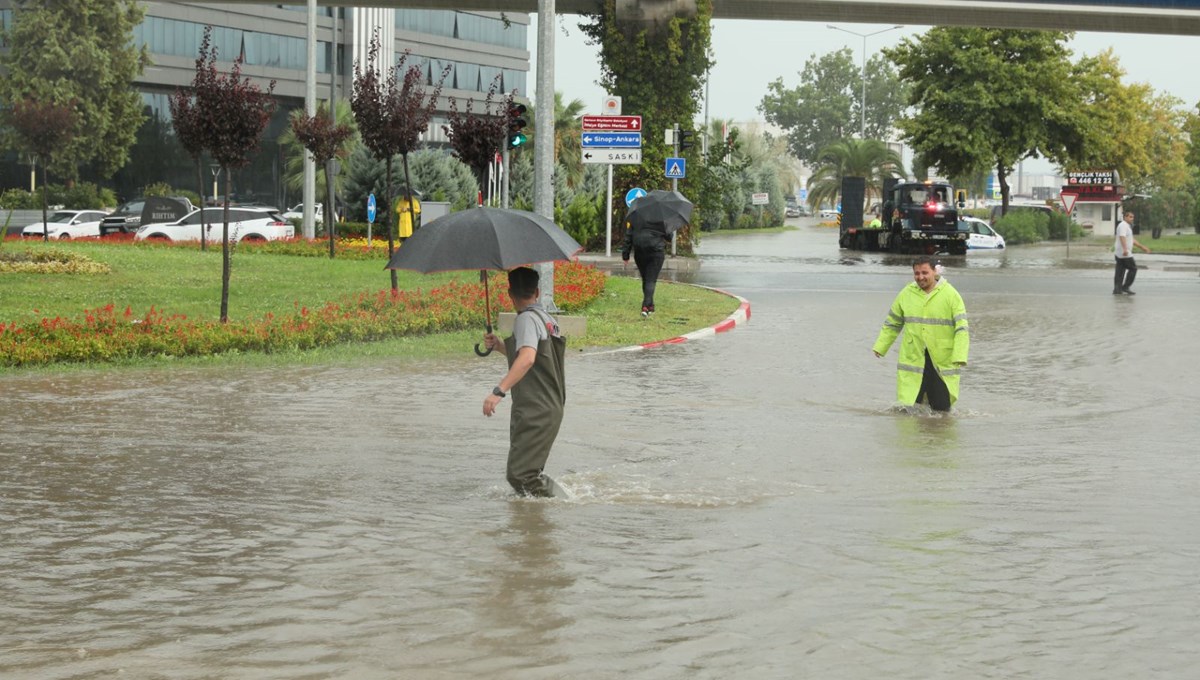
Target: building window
x,y
182,39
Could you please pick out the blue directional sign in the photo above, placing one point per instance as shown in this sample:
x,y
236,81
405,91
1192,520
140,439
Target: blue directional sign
x,y
676,168
371,208
633,195
612,140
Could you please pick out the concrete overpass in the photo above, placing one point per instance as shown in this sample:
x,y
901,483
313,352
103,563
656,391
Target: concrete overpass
x,y
1168,17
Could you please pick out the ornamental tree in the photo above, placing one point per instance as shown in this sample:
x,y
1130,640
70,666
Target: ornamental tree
x,y
43,129
325,140
475,139
391,117
233,114
188,122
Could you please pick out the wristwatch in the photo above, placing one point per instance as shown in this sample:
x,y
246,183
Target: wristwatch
x,y
498,392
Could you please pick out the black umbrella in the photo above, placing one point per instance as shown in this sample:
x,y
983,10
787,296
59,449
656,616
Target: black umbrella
x,y
483,239
666,211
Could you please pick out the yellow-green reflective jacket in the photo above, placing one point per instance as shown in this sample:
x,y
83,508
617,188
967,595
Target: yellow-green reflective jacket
x,y
937,322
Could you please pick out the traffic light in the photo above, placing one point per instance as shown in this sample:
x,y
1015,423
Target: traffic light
x,y
516,123
686,140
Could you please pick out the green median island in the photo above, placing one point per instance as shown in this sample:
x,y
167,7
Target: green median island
x,y
115,302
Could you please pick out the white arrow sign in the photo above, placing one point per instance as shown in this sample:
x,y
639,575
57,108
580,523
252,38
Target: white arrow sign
x,y
613,156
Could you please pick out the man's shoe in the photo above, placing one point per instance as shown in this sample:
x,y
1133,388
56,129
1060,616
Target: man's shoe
x,y
645,312
1127,291
1118,291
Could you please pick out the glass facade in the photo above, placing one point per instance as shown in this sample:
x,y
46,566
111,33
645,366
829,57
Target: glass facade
x,y
182,39
471,27
469,76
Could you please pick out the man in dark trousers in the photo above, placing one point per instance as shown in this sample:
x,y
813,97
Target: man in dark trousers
x,y
537,382
649,252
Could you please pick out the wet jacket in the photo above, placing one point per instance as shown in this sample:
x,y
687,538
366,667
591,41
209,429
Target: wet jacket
x,y
644,240
936,322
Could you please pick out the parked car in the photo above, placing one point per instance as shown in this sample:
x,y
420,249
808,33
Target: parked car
x,y
296,212
829,214
67,224
792,211
982,236
245,224
128,218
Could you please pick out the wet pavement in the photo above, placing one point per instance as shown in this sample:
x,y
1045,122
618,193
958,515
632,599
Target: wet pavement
x,y
747,506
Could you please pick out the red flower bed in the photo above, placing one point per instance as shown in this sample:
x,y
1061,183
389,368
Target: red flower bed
x,y
108,334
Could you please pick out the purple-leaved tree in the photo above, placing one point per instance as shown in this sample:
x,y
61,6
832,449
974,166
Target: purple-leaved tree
x,y
42,129
391,117
324,140
234,112
475,139
188,122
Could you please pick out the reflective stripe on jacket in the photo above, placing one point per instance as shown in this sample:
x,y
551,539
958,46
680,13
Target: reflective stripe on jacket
x,y
936,322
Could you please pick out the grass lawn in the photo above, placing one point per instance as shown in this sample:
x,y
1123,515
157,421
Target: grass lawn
x,y
1176,242
186,281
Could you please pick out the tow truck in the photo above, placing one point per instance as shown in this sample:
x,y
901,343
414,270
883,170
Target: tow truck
x,y
917,218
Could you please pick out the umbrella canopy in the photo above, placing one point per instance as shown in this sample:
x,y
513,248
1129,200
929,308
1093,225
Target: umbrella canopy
x,y
666,211
484,238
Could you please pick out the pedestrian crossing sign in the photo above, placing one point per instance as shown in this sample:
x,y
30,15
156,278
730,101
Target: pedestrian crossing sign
x,y
676,168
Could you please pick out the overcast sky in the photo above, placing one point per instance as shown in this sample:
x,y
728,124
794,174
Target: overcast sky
x,y
750,54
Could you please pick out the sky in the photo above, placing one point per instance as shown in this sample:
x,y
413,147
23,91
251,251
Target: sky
x,y
751,54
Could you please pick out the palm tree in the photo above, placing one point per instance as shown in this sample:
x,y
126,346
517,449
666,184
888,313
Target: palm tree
x,y
293,152
568,134
867,158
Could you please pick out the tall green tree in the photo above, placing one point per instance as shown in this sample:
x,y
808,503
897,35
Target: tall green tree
x,y
1130,128
989,97
867,158
657,65
827,104
79,52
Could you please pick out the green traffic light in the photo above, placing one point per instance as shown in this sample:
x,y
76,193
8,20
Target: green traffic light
x,y
517,139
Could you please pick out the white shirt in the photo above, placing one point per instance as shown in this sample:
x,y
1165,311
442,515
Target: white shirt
x,y
1123,230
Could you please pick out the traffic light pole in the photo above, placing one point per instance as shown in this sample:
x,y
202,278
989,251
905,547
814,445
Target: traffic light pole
x,y
675,183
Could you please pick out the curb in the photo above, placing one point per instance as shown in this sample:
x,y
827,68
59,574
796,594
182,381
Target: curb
x,y
739,316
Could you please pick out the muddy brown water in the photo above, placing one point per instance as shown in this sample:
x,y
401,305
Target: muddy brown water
x,y
745,506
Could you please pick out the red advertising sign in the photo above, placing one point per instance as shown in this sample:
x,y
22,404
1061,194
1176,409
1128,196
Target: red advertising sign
x,y
612,123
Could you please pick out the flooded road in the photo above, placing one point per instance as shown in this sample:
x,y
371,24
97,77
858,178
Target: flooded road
x,y
746,506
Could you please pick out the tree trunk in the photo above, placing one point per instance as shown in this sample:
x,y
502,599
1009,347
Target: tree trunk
x,y
203,215
330,220
387,218
1002,179
225,263
45,207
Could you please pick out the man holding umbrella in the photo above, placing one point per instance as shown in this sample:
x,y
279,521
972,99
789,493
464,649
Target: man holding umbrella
x,y
537,382
648,229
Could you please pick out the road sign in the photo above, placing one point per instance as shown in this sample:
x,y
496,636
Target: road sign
x,y
615,123
611,140
611,106
371,208
613,156
760,198
1068,201
633,195
676,168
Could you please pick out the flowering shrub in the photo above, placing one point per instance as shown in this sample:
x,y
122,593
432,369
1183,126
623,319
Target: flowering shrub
x,y
52,261
108,334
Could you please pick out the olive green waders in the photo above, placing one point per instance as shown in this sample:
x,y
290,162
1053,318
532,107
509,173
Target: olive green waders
x,y
537,413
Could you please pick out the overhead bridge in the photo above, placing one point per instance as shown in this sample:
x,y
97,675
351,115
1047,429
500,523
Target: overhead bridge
x,y
1168,17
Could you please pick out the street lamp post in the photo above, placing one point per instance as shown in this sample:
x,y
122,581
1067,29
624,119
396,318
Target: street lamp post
x,y
863,101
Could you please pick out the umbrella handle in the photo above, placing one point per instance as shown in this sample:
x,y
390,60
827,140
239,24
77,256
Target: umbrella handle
x,y
487,304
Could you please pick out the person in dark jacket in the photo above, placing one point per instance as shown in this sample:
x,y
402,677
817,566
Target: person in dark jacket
x,y
649,251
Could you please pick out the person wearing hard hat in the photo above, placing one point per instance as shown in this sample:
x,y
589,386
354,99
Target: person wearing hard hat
x,y
933,318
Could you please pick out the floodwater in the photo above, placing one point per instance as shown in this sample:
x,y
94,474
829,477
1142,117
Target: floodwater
x,y
745,506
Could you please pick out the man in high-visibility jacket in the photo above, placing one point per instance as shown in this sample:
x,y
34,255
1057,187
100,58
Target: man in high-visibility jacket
x,y
933,352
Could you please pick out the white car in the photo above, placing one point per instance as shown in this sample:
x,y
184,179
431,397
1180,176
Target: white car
x,y
296,212
982,236
68,224
252,224
828,214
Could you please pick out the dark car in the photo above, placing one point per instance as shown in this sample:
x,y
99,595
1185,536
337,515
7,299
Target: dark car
x,y
127,218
